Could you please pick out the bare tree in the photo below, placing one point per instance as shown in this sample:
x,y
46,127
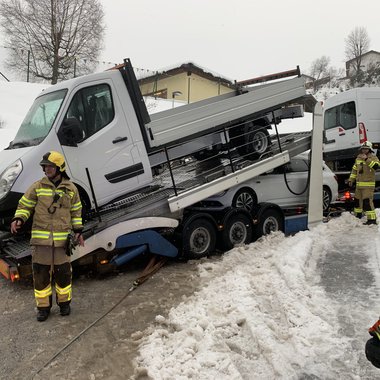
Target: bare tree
x,y
52,39
320,67
357,43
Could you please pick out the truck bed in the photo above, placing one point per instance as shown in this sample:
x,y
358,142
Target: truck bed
x,y
178,124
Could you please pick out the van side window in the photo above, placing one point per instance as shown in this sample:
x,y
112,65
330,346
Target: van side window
x,y
343,116
93,108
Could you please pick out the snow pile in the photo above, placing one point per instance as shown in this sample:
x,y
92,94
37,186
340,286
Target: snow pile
x,y
262,314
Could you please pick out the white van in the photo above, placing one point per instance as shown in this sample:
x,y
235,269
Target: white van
x,y
350,118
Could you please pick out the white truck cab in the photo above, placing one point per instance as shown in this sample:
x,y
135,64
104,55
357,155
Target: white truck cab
x,y
93,123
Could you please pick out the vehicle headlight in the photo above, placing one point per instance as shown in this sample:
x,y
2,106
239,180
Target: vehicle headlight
x,y
8,177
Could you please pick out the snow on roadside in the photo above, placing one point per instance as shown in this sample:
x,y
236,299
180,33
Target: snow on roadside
x,y
261,315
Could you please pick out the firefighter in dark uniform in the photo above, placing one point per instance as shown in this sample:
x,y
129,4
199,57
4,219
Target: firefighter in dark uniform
x,y
363,174
57,209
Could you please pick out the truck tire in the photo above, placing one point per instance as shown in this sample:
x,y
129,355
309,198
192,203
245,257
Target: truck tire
x,y
238,229
245,198
270,220
251,140
198,238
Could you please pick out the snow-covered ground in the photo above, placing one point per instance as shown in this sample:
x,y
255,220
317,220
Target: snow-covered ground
x,y
282,308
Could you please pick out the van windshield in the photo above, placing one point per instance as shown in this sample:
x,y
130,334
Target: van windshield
x,y
39,120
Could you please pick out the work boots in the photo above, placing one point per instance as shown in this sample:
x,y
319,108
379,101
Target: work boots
x,y
64,309
369,222
42,315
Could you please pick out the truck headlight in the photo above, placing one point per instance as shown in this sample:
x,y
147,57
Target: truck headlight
x,y
8,177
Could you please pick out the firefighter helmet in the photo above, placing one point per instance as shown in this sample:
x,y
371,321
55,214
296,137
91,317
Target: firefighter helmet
x,y
366,145
54,158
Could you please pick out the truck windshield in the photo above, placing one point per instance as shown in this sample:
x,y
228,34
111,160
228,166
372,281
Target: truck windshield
x,y
39,120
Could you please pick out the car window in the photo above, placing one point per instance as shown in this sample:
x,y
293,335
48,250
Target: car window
x,y
343,115
93,108
297,165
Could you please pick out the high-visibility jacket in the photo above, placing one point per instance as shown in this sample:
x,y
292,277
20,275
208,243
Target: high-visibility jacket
x,y
363,171
57,211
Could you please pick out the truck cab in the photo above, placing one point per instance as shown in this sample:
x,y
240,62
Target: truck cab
x,y
92,122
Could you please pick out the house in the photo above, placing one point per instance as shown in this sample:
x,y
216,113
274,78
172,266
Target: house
x,y
371,58
187,82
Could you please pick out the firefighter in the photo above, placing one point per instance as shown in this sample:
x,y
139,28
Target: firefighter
x,y
363,174
57,209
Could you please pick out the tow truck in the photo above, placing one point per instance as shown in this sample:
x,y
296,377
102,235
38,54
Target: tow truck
x,y
158,217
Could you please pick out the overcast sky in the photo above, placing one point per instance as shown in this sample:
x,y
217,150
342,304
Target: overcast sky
x,y
238,39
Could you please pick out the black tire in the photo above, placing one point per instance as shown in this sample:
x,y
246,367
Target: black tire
x,y
251,141
198,238
327,197
270,220
245,198
238,229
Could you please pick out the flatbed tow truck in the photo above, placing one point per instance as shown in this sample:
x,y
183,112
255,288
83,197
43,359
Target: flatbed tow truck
x,y
161,219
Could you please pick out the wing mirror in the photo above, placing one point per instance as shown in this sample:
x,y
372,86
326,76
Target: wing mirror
x,y
70,132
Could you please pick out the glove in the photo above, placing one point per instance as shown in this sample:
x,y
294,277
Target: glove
x,y
71,243
375,330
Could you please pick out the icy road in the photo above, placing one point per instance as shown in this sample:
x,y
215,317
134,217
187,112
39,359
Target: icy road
x,y
282,308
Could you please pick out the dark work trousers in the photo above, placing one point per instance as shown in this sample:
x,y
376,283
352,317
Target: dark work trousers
x,y
51,268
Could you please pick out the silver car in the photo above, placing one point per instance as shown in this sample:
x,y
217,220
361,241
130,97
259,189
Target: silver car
x,y
286,186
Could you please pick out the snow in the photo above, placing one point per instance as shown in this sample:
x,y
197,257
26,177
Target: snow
x,y
281,308
266,312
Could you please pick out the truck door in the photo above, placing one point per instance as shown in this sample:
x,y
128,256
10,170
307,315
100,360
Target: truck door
x,y
340,128
106,147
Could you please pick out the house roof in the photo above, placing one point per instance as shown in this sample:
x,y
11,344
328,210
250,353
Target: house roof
x,y
188,67
363,55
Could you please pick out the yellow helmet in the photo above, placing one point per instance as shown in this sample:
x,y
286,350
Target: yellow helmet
x,y
366,145
54,158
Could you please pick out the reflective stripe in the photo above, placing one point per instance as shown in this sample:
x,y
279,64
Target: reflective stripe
x,y
372,164
71,194
67,291
24,214
371,215
76,206
58,236
44,192
358,210
27,202
365,184
38,234
76,221
43,293
353,176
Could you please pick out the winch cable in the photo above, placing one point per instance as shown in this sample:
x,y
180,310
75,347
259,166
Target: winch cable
x,y
155,263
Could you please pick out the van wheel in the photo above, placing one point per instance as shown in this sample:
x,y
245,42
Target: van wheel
x,y
245,198
251,141
198,238
326,198
270,220
238,230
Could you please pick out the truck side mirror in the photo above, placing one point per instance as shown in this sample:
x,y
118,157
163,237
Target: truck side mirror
x,y
70,132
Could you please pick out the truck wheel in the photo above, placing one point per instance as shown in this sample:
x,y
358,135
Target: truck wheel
x,y
252,141
198,238
270,220
326,198
245,198
238,229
